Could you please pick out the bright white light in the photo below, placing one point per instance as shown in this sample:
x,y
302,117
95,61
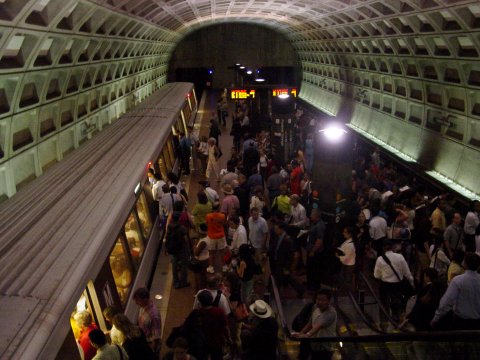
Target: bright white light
x,y
341,344
158,297
137,189
249,72
259,80
237,64
283,96
242,67
333,133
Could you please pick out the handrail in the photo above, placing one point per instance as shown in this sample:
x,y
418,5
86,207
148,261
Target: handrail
x,y
450,336
283,322
379,303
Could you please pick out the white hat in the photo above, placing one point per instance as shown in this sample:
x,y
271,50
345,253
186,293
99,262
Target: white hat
x,y
261,309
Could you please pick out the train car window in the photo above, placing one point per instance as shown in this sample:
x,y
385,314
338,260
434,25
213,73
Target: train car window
x,y
162,164
186,118
144,215
171,150
187,112
134,239
121,269
166,157
179,124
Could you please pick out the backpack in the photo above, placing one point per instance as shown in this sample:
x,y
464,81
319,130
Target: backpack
x,y
174,239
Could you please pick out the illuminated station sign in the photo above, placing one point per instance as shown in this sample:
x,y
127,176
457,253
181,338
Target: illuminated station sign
x,y
242,94
284,92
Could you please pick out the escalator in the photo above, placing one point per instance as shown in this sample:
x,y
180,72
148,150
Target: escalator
x,y
360,337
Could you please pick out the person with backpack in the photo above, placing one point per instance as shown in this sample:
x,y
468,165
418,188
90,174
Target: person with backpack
x,y
176,245
219,299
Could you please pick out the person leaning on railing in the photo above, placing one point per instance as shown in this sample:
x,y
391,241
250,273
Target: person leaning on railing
x,y
323,323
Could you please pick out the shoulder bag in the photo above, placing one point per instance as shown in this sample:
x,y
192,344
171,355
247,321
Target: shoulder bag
x,y
406,288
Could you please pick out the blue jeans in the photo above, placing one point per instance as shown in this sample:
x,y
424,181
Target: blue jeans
x,y
179,267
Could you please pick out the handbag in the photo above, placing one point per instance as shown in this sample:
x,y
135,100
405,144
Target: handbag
x,y
406,289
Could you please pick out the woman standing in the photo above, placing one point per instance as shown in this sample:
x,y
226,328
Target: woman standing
x,y
245,271
132,339
213,154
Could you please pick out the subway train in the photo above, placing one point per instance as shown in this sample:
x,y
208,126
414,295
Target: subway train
x,y
85,234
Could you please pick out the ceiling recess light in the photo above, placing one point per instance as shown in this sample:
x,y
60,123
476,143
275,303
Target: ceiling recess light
x,y
249,72
259,80
237,64
242,67
158,297
283,96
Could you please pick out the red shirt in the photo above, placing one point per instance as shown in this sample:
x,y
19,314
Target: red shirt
x,y
88,350
296,178
215,222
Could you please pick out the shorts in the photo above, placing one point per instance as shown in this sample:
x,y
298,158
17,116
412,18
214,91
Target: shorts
x,y
217,244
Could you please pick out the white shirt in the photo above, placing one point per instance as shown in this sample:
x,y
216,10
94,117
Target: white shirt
x,y
212,195
203,148
257,231
384,272
239,237
378,227
167,201
348,248
299,215
157,191
471,223
439,261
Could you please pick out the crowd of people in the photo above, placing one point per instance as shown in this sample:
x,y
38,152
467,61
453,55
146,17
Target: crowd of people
x,y
124,340
264,217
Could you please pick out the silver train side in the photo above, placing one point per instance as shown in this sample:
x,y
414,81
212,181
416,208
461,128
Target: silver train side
x,y
57,233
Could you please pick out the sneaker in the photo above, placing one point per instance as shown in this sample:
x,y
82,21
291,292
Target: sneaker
x,y
210,269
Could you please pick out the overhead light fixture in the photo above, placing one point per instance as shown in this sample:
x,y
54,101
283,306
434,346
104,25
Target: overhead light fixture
x,y
259,80
333,132
249,72
242,67
283,96
158,297
237,64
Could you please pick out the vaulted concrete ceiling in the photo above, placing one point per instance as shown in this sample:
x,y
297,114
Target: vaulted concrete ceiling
x,y
408,71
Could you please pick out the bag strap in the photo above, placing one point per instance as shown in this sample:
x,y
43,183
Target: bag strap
x,y
387,260
216,301
458,239
120,351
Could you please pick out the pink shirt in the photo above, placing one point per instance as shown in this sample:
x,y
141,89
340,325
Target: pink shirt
x,y
229,203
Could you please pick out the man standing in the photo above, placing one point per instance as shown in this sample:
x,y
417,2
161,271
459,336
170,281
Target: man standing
x,y
214,325
230,175
218,299
390,269
185,152
453,235
472,223
216,233
317,250
273,184
378,232
463,297
176,244
212,194
149,319
106,351
281,258
258,234
299,215
262,344
323,323
230,203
